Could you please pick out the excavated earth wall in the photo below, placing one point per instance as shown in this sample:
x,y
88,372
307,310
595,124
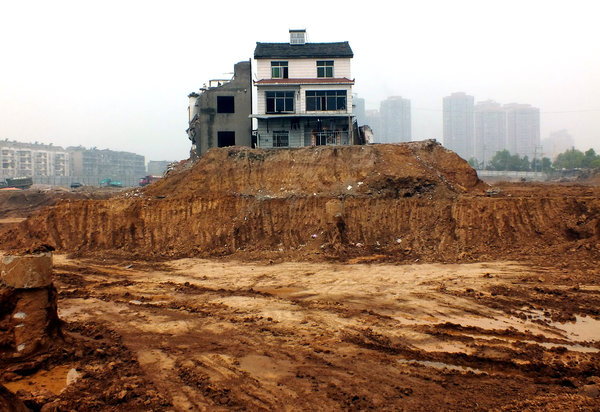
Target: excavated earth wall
x,y
406,202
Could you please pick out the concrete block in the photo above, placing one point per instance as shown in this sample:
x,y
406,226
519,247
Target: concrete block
x,y
26,272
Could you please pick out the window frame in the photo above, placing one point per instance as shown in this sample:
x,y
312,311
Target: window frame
x,y
326,100
224,138
325,68
283,99
281,68
281,138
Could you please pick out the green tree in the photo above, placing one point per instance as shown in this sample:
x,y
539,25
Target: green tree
x,y
571,159
500,160
546,164
523,164
503,160
591,159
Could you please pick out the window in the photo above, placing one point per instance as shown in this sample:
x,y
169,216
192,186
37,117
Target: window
x,y
278,102
225,104
281,138
324,68
225,139
279,70
325,100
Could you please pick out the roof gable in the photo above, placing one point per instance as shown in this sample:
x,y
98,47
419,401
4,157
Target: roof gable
x,y
302,51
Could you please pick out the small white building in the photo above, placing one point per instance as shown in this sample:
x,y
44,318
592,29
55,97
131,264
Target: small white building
x,y
304,93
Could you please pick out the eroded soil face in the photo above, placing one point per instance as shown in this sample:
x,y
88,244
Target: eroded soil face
x,y
219,335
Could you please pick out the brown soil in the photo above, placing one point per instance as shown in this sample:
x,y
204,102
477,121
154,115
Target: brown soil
x,y
23,203
384,277
411,202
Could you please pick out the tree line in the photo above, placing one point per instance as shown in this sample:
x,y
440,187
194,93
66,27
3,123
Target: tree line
x,y
570,159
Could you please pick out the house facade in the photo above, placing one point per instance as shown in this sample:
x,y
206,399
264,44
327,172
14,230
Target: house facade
x,y
219,115
304,93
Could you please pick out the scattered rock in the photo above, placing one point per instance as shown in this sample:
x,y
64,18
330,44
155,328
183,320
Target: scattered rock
x,y
73,376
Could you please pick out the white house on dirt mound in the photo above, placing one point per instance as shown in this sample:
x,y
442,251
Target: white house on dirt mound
x,y
304,93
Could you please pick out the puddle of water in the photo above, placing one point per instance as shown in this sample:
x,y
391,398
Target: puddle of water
x,y
441,365
583,329
265,367
54,380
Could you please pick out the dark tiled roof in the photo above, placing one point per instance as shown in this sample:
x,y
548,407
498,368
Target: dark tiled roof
x,y
320,80
299,51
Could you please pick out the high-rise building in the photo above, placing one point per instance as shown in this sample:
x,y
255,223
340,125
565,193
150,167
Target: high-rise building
x,y
359,110
522,129
395,119
373,120
458,124
490,130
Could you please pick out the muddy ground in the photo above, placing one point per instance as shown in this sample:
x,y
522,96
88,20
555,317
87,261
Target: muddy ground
x,y
478,298
195,334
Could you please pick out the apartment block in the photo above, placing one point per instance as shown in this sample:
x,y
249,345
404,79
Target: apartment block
x,y
32,159
395,120
522,129
490,130
458,124
90,166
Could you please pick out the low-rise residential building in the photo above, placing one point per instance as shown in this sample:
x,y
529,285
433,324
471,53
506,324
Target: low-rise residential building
x,y
219,115
19,159
91,166
304,93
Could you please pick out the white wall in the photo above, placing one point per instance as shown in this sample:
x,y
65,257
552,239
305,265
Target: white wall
x,y
304,68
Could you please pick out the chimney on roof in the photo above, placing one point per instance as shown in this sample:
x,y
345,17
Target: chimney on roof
x,y
297,36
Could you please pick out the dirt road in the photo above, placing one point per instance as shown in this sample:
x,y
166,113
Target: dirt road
x,y
221,335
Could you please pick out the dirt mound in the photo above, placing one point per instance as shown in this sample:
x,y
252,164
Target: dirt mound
x,y
401,170
22,203
404,202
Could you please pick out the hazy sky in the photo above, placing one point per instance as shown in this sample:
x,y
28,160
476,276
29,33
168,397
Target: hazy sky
x,y
116,74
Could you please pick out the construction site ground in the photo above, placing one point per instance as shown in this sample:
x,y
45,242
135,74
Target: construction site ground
x,y
273,330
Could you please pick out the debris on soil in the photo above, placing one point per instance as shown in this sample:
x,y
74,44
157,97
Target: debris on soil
x,y
260,204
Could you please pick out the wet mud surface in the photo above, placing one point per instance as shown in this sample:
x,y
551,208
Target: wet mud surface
x,y
196,334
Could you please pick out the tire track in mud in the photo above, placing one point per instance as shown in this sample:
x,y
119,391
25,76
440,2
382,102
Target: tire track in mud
x,y
216,336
